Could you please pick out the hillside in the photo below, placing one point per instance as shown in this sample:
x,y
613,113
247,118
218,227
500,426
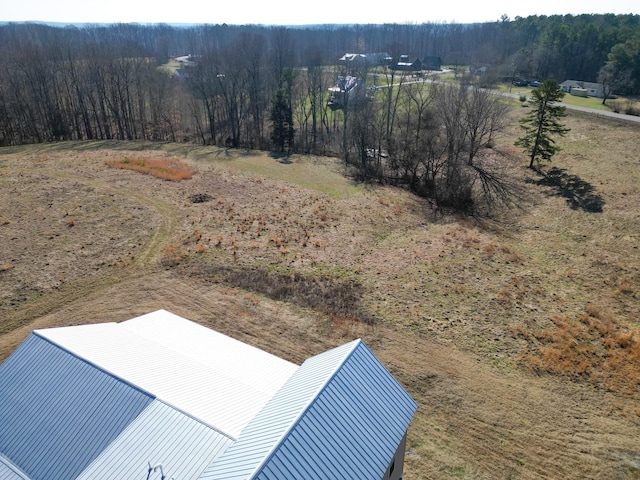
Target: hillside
x,y
517,335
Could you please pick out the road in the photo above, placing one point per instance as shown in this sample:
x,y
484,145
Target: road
x,y
592,111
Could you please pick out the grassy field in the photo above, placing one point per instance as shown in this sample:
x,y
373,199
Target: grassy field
x,y
517,335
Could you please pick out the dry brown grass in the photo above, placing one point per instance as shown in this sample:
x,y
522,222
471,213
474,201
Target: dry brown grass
x,y
594,347
628,106
165,168
172,256
285,266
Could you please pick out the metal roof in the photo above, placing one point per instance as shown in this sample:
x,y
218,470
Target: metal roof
x,y
163,436
245,363
58,412
341,415
9,471
207,381
114,400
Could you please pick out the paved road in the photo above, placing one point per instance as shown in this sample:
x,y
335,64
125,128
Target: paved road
x,y
592,111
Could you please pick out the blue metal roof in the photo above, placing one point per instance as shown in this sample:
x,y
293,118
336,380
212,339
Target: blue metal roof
x,y
59,412
341,415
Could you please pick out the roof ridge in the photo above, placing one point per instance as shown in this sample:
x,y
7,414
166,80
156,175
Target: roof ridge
x,y
13,467
93,364
266,458
131,384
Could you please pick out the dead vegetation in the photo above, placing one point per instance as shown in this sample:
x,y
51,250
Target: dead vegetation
x,y
339,300
593,347
164,168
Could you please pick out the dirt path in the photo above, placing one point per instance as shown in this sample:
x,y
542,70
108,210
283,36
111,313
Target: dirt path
x,y
162,218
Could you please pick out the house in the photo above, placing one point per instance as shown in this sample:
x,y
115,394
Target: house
x,y
432,63
480,71
160,397
407,65
344,90
370,59
583,89
353,58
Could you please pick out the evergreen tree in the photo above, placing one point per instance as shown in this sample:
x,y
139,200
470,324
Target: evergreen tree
x,y
542,122
282,121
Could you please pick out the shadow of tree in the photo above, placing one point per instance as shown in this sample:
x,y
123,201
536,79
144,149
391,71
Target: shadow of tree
x,y
281,157
580,195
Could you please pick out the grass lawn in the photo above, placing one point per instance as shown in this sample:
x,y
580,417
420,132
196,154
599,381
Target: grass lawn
x,y
589,102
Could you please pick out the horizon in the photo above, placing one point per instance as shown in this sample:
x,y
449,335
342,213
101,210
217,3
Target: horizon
x,y
288,13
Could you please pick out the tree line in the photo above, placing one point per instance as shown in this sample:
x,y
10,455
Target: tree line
x,y
101,81
268,88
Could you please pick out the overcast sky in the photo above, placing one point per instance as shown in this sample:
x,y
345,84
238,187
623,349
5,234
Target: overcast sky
x,y
296,12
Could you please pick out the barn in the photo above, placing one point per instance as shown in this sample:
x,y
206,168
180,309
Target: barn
x,y
161,397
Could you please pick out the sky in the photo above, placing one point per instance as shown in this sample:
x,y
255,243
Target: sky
x,y
297,12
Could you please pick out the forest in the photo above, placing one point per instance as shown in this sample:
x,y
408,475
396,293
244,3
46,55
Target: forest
x,y
260,87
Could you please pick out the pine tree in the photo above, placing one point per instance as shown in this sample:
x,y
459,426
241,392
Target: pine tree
x,y
282,122
542,122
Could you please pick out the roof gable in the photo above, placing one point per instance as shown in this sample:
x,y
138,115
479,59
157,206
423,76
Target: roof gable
x,y
59,412
342,414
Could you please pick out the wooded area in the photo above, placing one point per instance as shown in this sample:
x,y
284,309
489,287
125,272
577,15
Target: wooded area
x,y
267,88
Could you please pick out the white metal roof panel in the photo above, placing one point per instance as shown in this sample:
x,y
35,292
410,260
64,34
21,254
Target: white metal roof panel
x,y
160,435
214,393
239,360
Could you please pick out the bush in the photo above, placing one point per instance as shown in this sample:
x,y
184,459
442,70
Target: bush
x,y
338,299
628,107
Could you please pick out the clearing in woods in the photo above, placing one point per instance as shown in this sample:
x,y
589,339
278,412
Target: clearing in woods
x,y
518,337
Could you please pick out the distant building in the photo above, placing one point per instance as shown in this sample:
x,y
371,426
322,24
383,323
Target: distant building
x,y
353,58
583,89
478,70
405,64
344,90
370,59
432,63
160,397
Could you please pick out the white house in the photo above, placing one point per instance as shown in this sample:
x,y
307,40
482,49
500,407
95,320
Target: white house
x,y
160,397
582,89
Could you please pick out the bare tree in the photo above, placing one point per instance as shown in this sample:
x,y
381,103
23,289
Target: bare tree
x,y
470,117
